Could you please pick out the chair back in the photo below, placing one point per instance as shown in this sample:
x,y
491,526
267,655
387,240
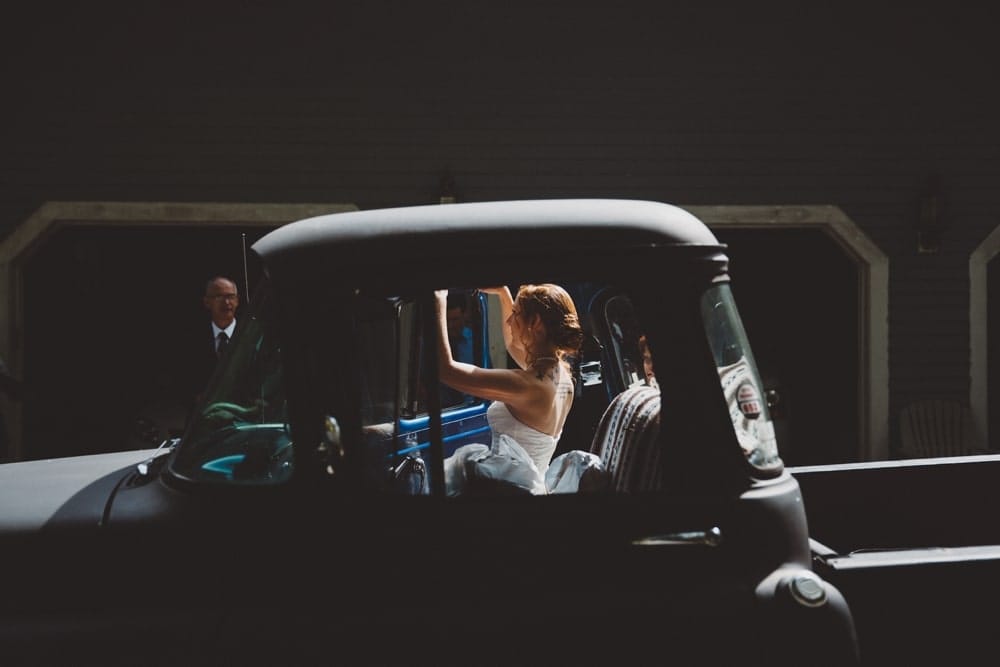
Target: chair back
x,y
626,440
937,427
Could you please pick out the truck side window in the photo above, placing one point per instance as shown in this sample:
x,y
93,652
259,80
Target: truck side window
x,y
376,339
629,354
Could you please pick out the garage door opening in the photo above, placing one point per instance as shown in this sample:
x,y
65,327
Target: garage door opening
x,y
105,311
859,265
96,296
798,296
74,333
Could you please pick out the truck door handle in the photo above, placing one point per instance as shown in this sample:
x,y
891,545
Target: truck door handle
x,y
706,538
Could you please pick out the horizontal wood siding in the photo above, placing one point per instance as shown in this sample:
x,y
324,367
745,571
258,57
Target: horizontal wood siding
x,y
373,102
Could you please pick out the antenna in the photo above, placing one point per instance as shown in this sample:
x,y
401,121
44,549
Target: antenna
x,y
246,278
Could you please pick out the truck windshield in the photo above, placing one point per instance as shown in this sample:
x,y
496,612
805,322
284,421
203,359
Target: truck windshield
x,y
741,382
240,432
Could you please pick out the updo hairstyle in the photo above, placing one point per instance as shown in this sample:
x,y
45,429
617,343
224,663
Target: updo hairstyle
x,y
556,309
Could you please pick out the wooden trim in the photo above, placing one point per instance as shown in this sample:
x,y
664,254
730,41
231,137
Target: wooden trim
x,y
979,262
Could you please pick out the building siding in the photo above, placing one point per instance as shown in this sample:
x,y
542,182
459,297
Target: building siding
x,y
694,107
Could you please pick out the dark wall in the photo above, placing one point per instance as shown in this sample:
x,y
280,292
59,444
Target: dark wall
x,y
371,102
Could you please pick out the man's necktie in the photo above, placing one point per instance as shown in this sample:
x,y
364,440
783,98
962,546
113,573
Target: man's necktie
x,y
223,342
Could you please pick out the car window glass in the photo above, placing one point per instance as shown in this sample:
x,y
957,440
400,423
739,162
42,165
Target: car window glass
x,y
240,432
739,377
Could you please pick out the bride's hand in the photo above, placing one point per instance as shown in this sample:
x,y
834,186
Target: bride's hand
x,y
441,295
491,290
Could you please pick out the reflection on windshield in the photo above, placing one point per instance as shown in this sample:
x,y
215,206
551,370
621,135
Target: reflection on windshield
x,y
740,380
240,433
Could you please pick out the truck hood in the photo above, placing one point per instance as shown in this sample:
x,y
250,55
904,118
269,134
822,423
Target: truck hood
x,y
74,490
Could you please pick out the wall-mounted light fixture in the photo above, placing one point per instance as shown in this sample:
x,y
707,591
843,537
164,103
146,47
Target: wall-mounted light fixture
x,y
930,216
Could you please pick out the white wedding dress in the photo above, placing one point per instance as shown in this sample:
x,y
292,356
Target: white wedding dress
x,y
516,458
520,457
539,446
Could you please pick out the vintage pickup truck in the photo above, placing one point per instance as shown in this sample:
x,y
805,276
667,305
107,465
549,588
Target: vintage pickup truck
x,y
310,513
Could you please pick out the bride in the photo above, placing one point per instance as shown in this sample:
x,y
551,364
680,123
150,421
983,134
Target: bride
x,y
531,402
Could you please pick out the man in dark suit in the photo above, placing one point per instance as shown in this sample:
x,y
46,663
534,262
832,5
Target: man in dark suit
x,y
252,389
199,349
188,366
221,300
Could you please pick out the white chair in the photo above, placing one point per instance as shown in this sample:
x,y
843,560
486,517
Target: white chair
x,y
937,427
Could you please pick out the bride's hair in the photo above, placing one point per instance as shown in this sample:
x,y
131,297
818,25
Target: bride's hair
x,y
557,311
